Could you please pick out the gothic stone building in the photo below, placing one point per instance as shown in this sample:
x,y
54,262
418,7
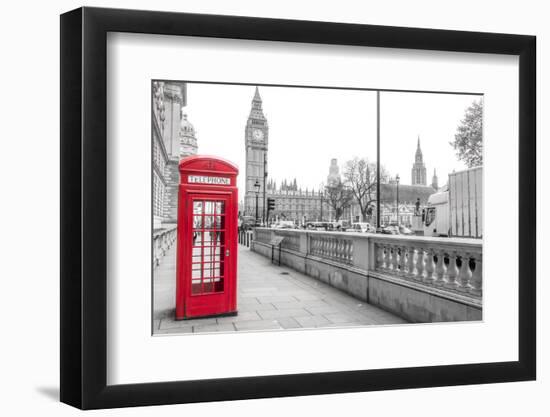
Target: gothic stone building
x,y
295,204
173,138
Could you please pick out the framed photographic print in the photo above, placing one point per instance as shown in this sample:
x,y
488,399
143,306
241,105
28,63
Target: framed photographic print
x,y
257,208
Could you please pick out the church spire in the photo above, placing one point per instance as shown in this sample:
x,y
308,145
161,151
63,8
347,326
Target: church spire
x,y
435,181
418,155
418,173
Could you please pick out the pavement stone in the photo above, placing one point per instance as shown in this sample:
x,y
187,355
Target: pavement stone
x,y
339,318
312,321
258,307
288,323
208,328
258,325
291,312
241,316
327,309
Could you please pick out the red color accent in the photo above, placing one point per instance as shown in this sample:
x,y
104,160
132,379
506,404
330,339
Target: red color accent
x,y
206,278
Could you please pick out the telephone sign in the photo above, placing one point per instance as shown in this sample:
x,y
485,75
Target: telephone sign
x,y
207,238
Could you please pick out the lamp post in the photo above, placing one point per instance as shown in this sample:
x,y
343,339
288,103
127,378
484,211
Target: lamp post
x,y
321,194
257,187
397,198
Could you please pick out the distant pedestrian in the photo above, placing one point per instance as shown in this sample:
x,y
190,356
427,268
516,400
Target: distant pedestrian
x,y
417,207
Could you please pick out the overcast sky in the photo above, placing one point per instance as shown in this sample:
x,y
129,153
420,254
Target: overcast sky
x,y
308,127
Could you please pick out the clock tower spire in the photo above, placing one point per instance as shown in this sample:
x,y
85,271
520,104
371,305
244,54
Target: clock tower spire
x,y
256,144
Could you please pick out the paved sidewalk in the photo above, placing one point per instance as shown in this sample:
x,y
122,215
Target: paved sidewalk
x,y
269,298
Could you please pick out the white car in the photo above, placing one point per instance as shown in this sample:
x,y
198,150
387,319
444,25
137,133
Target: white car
x,y
284,224
362,228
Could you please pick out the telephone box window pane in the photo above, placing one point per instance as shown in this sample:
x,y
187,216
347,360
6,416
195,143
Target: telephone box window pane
x,y
197,207
197,239
209,207
197,222
212,270
220,207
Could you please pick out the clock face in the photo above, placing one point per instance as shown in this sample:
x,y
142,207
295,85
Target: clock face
x,y
258,134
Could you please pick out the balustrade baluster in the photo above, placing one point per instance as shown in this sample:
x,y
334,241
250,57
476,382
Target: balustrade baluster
x,y
476,279
394,259
402,259
419,264
429,266
464,273
345,249
440,268
387,257
452,271
410,261
379,265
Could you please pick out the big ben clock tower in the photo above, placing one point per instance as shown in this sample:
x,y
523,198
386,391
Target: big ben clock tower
x,y
256,141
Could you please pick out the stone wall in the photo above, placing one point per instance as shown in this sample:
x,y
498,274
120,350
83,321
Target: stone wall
x,y
172,177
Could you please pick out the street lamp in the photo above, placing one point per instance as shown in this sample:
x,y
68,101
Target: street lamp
x,y
321,194
257,187
397,198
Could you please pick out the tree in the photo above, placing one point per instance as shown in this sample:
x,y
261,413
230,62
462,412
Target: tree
x,y
360,178
468,142
339,197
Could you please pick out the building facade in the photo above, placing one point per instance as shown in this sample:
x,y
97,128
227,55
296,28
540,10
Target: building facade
x,y
295,204
256,137
173,137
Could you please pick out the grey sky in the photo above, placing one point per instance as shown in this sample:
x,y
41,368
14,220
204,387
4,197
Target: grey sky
x,y
308,127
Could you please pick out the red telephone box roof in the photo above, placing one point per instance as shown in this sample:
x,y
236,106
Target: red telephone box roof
x,y
207,163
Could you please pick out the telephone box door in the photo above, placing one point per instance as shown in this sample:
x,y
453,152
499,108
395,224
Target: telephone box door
x,y
210,275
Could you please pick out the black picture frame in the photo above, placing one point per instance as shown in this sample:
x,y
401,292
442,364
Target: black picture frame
x,y
84,179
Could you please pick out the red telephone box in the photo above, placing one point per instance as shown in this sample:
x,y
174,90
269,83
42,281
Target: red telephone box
x,y
207,238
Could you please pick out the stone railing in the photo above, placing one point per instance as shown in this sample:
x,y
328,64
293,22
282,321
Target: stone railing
x,y
452,264
291,240
403,274
336,248
244,237
163,240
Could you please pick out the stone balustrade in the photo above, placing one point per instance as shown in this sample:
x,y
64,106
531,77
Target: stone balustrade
x,y
163,240
452,264
336,248
381,268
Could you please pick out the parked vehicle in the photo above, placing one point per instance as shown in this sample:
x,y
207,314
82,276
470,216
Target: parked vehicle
x,y
326,226
246,222
342,225
389,230
362,228
284,224
457,209
405,231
